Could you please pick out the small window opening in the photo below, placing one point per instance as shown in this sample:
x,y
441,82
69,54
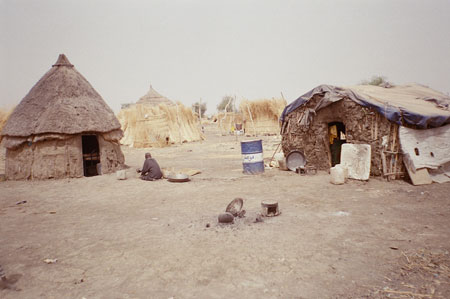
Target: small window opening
x,y
431,154
337,137
91,155
416,150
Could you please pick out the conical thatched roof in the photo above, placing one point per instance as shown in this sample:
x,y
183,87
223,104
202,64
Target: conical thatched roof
x,y
63,102
152,97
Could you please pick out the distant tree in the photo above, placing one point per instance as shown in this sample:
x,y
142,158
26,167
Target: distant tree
x,y
375,80
202,108
227,100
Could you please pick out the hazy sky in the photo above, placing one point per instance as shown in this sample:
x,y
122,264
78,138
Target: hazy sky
x,y
192,49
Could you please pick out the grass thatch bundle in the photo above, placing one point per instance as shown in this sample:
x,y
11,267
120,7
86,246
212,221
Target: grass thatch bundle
x,y
227,120
4,114
262,116
158,126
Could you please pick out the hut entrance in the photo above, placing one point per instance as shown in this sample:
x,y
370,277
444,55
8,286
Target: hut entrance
x,y
336,133
91,155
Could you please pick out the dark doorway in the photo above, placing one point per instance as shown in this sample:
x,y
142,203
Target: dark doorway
x,y
336,134
91,154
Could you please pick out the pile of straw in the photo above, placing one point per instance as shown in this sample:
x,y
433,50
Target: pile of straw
x,y
158,126
421,274
3,118
262,116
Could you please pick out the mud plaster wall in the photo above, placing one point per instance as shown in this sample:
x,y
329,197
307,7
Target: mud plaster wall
x,y
111,156
363,126
57,159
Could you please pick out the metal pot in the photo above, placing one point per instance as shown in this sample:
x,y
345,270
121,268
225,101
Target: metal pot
x,y
178,178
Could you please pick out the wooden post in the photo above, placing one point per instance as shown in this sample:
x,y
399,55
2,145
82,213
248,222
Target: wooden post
x,y
225,115
376,125
393,147
383,162
179,126
276,150
327,149
251,118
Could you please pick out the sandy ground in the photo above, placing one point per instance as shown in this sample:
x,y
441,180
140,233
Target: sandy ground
x,y
138,239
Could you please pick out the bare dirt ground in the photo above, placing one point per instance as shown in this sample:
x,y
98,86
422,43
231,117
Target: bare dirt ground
x,y
138,239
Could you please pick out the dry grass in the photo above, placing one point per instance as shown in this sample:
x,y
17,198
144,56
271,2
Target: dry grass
x,y
265,108
420,274
158,126
262,116
226,121
4,115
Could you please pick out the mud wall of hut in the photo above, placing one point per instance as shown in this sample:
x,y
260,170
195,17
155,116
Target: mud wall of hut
x,y
45,159
57,158
363,126
111,156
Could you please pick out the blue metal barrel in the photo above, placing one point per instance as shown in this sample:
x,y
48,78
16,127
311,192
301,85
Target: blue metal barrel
x,y
252,156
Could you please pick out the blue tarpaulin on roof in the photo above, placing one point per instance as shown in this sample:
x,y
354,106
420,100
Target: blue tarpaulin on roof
x,y
396,114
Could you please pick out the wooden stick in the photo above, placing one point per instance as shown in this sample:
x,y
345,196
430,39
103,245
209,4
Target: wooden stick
x,y
383,162
376,126
389,152
274,153
225,115
300,115
251,118
393,144
389,167
392,173
409,262
179,127
408,293
327,149
372,127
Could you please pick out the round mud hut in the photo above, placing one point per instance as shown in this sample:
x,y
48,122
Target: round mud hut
x,y
61,128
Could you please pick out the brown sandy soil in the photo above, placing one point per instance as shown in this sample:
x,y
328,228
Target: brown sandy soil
x,y
138,239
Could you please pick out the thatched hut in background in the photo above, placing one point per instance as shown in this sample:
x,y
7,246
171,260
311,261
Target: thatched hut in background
x,y
261,117
155,121
320,121
61,128
153,98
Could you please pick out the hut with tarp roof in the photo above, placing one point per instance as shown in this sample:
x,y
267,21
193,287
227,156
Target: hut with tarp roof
x,y
156,121
405,126
61,128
